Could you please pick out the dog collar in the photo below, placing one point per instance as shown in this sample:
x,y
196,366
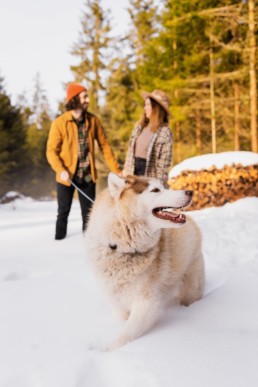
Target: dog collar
x,y
114,247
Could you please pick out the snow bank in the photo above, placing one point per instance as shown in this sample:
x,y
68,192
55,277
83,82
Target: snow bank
x,y
218,160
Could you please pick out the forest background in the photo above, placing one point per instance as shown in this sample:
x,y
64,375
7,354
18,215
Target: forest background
x,y
201,53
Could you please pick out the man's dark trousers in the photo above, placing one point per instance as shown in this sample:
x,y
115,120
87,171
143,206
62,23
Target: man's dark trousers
x,y
64,200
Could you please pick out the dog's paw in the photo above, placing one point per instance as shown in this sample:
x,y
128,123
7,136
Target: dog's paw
x,y
111,347
116,344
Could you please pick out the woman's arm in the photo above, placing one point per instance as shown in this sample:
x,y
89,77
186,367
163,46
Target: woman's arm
x,y
164,158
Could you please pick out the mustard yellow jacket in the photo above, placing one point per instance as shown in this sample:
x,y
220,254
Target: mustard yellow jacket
x,y
63,145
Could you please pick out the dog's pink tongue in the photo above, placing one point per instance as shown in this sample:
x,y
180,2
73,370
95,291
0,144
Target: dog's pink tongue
x,y
168,215
172,216
176,218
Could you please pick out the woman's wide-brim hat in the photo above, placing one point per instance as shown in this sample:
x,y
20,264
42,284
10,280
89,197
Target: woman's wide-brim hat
x,y
160,97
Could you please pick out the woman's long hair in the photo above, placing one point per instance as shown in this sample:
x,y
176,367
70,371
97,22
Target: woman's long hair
x,y
158,117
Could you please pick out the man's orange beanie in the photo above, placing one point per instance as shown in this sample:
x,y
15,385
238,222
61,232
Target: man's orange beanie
x,y
74,89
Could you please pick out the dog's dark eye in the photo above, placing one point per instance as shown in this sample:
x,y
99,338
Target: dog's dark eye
x,y
155,190
113,247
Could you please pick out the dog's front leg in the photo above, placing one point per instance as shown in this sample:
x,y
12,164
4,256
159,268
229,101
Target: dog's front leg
x,y
144,314
120,314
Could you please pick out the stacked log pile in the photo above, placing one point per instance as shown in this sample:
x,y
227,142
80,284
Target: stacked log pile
x,y
215,187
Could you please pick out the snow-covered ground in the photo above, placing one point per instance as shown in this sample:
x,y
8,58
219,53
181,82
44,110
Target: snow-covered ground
x,y
218,160
52,311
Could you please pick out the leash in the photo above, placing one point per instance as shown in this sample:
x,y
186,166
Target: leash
x,y
78,189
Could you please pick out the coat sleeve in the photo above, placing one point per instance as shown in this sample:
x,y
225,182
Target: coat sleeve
x,y
164,158
130,159
54,144
105,148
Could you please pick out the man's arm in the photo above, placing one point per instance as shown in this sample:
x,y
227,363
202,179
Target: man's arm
x,y
106,149
54,144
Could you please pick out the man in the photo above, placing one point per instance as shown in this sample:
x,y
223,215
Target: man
x,y
70,152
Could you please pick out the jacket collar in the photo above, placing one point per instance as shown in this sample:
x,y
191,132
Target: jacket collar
x,y
69,117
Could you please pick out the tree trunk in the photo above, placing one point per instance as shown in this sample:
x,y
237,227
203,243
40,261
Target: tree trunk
x,y
253,96
177,136
175,48
178,145
198,132
236,122
212,99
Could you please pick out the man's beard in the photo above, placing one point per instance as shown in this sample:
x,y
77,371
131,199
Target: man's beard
x,y
82,107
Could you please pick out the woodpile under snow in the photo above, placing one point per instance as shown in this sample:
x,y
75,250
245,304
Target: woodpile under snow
x,y
215,187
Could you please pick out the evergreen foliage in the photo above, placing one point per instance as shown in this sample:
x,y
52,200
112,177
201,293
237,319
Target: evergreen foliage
x,y
92,49
13,138
121,107
197,54
39,124
23,132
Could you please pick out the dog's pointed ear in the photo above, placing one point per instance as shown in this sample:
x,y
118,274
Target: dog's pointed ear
x,y
116,184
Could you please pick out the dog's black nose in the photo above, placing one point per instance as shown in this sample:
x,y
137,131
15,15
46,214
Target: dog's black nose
x,y
189,193
113,247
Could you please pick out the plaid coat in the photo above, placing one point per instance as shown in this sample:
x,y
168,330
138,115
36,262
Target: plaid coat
x,y
159,155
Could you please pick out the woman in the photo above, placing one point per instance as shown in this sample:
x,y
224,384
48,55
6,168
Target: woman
x,y
150,147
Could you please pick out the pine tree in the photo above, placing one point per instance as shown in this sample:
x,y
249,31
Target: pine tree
x,y
92,50
13,139
124,104
144,27
122,108
40,106
37,130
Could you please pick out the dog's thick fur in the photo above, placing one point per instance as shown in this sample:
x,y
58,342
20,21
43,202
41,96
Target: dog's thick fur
x,y
145,261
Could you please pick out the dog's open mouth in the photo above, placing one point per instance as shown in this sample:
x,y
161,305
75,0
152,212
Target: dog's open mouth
x,y
168,213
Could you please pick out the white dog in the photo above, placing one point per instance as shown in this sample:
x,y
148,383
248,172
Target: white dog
x,y
145,251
